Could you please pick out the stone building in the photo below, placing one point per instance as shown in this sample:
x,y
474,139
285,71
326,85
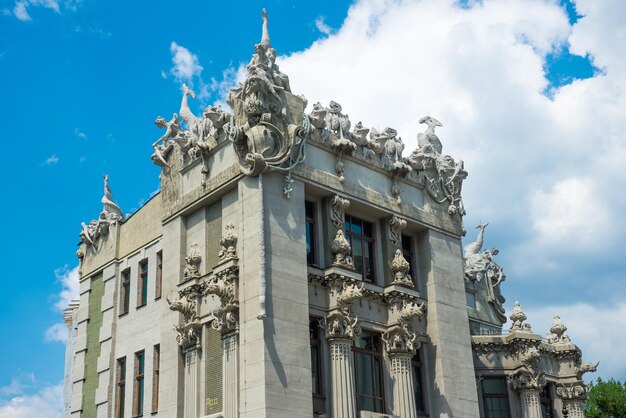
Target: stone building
x,y
295,264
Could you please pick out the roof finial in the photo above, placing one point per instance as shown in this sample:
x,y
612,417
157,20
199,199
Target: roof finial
x,y
265,36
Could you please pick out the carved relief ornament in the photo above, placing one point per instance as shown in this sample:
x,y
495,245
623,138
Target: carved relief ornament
x,y
193,260
338,207
228,243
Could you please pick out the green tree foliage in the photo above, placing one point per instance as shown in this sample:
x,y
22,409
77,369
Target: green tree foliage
x,y
606,399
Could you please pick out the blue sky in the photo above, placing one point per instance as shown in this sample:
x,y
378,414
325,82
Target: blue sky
x,y
530,92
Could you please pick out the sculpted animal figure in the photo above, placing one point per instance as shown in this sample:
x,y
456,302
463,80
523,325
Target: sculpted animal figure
x,y
429,138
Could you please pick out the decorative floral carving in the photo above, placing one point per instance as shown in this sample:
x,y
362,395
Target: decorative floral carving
x,y
577,390
110,215
396,225
518,317
338,125
193,260
557,331
340,326
530,358
338,207
341,249
441,175
400,269
228,243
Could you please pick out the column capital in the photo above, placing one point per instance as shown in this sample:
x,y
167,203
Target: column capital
x,y
572,391
340,326
524,381
400,341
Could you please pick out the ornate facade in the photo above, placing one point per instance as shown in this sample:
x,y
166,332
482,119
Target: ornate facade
x,y
294,264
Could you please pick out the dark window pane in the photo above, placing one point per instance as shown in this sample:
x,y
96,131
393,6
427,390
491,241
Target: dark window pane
x,y
368,261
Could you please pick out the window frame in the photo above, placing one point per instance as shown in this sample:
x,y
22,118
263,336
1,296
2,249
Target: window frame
x,y
350,236
142,282
409,255
311,219
417,363
139,383
125,291
487,395
156,366
120,387
158,288
381,376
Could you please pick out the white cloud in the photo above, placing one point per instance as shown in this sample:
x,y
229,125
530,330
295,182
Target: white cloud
x,y
19,384
70,286
68,278
163,75
321,25
46,403
598,331
548,173
51,160
80,134
185,64
20,9
56,333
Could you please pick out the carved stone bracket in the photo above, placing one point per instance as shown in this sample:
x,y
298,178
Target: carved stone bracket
x,y
396,226
338,207
228,243
193,260
408,311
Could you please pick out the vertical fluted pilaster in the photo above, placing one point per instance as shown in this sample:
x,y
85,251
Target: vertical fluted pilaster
x,y
403,390
531,404
575,408
230,383
342,374
191,383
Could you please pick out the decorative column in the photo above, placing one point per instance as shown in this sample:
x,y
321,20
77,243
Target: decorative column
x,y
401,344
191,383
529,387
573,397
225,318
188,337
341,330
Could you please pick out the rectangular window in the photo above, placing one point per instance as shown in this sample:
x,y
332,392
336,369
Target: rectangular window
x,y
418,380
368,369
159,275
407,252
120,387
495,398
125,292
156,360
140,363
470,298
360,234
311,254
316,356
546,402
142,284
